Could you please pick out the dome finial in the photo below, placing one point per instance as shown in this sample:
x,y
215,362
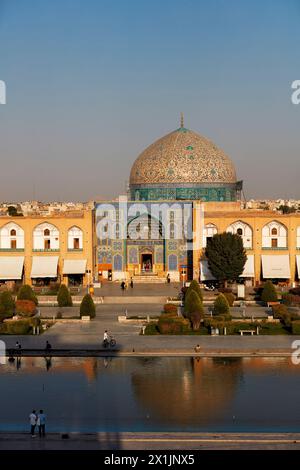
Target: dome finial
x,y
181,121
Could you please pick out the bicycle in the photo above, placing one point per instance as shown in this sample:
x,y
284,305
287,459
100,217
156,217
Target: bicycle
x,y
111,342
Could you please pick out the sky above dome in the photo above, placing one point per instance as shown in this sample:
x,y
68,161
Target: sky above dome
x,y
90,84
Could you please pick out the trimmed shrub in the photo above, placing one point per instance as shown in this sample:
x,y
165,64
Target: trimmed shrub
x,y
221,306
25,307
230,298
7,304
19,327
151,329
87,306
26,293
170,309
279,310
290,299
192,303
173,326
269,293
64,298
296,327
295,290
195,286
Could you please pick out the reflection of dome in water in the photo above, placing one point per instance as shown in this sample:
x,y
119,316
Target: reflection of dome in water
x,y
188,391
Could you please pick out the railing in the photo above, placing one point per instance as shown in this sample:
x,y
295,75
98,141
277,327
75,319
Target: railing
x,y
75,249
11,249
274,248
45,249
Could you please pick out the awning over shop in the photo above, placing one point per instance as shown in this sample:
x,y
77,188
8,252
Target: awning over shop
x,y
44,266
276,266
11,267
74,266
249,267
206,274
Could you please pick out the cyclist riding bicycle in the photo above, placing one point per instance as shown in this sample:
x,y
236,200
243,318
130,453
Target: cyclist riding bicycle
x,y
108,340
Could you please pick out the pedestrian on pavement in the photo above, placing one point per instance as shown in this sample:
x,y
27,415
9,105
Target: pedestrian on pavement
x,y
168,278
41,422
131,283
18,348
123,286
32,420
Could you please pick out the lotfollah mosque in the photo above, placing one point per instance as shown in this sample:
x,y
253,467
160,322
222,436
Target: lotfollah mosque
x,y
183,189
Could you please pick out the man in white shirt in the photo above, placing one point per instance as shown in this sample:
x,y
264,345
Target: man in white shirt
x,y
105,338
32,420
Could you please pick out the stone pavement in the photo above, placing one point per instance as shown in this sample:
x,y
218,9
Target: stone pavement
x,y
151,441
87,336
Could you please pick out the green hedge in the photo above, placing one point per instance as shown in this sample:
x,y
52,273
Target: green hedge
x,y
296,327
18,327
173,326
151,329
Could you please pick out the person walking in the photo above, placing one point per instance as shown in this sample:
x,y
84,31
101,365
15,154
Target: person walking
x,y
131,283
168,278
41,422
32,420
18,348
123,286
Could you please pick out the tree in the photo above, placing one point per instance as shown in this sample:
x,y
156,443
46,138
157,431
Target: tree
x,y
7,305
221,305
269,293
64,298
7,302
12,211
87,306
286,209
226,256
26,293
192,303
194,285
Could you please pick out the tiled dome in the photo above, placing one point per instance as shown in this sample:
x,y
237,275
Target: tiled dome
x,y
183,156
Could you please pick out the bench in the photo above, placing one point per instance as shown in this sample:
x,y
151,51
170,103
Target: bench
x,y
251,332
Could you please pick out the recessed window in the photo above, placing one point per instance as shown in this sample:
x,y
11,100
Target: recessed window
x,y
13,233
47,244
46,232
76,243
274,242
239,231
274,231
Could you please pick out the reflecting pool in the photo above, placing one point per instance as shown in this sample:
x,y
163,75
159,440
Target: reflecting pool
x,y
152,394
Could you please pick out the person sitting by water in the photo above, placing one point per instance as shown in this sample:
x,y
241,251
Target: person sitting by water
x,y
48,346
197,348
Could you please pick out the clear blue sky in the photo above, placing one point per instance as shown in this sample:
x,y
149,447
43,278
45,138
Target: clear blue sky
x,y
91,83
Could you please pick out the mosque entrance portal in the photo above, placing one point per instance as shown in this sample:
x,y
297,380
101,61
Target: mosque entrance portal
x,y
147,262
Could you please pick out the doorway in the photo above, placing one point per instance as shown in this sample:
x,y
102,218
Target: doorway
x,y
146,263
